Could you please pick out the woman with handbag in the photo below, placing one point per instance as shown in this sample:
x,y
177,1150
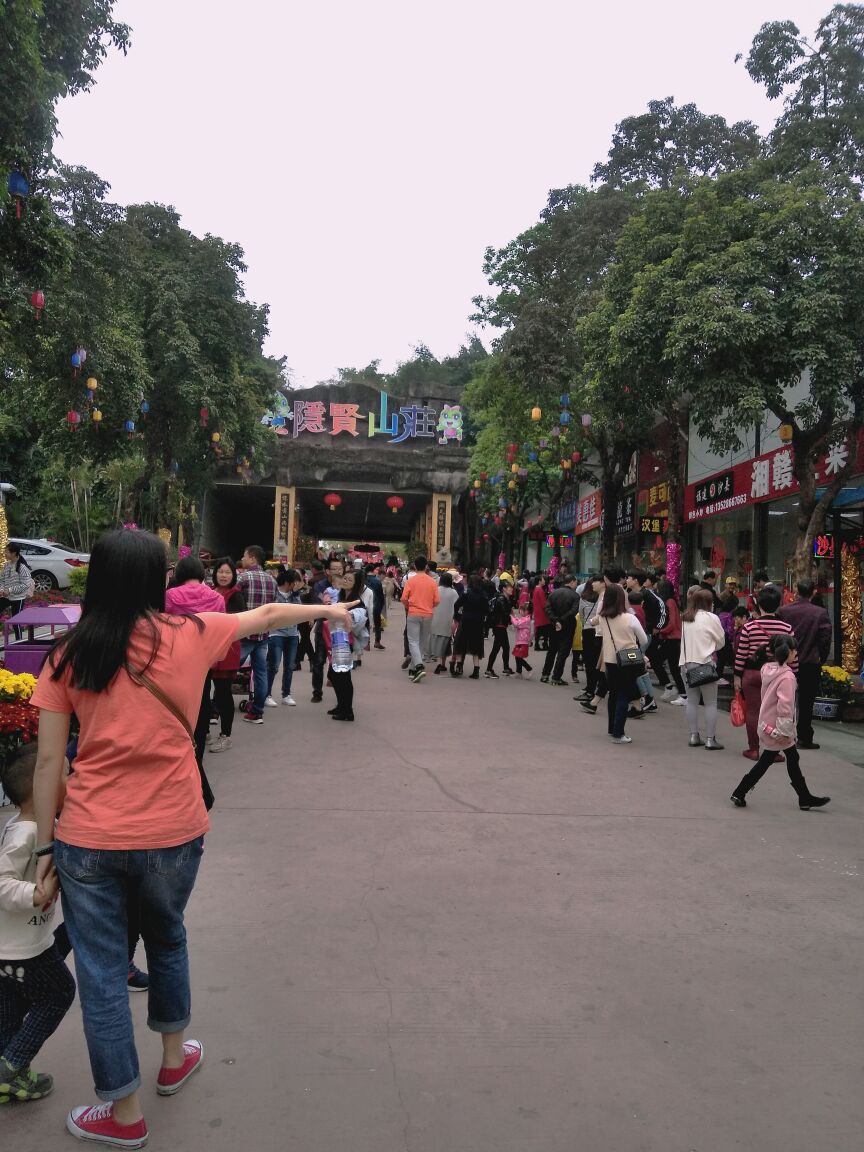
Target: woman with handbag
x,y
16,583
624,642
133,821
702,637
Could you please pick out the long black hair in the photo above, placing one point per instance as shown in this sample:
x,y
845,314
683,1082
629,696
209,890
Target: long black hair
x,y
222,562
125,585
15,549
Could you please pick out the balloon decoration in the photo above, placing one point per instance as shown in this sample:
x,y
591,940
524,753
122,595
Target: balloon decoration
x,y
19,190
395,504
332,500
673,565
37,300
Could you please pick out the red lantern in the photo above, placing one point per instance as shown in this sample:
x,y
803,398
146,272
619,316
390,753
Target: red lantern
x,y
484,475
73,419
203,417
332,500
395,503
485,535
576,457
38,302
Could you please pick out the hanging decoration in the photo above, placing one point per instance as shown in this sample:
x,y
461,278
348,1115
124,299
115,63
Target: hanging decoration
x,y
203,417
476,483
536,414
564,418
587,420
145,407
511,484
514,467
37,300
395,504
850,611
92,385
555,432
81,353
19,190
541,444
576,457
332,500
673,565
130,428
73,419
76,362
532,456
785,432
96,417
215,437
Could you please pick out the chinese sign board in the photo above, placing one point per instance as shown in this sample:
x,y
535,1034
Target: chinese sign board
x,y
588,513
566,516
653,508
823,546
767,477
564,541
399,423
624,510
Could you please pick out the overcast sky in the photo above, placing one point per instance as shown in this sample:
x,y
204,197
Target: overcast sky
x,y
365,152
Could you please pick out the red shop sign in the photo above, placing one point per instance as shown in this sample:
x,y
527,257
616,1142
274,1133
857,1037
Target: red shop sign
x,y
588,513
767,477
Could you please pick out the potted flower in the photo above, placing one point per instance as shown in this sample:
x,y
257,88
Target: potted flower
x,y
19,720
835,687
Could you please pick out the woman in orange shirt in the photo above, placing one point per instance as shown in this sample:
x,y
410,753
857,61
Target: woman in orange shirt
x,y
133,821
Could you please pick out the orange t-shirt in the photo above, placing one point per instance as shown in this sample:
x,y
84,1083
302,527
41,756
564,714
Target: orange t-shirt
x,y
420,595
136,783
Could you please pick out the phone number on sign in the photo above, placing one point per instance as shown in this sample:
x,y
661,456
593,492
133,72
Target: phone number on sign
x,y
717,506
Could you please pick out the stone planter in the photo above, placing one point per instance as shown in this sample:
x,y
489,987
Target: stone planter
x,y
826,708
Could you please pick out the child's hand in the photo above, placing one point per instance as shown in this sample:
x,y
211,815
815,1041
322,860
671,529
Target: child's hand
x,y
46,889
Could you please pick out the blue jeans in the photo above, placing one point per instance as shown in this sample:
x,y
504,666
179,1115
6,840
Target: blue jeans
x,y
281,648
257,649
98,888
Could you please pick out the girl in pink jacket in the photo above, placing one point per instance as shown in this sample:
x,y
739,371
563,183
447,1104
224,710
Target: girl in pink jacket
x,y
776,727
523,624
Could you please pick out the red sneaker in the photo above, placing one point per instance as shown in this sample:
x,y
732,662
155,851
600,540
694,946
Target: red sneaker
x,y
97,1123
171,1080
750,754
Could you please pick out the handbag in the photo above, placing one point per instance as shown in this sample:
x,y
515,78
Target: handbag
x,y
698,674
166,701
738,711
629,657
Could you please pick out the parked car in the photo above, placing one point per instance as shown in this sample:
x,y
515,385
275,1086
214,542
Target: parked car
x,y
50,563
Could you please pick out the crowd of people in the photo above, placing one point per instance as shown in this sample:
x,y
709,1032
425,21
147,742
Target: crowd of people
x,y
134,696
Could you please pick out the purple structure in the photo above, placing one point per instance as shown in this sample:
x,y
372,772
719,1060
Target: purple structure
x,y
28,655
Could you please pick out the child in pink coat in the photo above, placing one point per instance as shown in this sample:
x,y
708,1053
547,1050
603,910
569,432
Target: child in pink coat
x,y
522,623
777,725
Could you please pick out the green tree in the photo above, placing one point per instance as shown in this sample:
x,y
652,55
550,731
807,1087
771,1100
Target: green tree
x,y
821,82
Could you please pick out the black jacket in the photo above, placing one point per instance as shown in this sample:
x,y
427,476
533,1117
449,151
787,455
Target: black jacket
x,y
562,605
812,628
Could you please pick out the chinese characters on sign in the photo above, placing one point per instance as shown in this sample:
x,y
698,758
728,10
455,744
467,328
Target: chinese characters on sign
x,y
284,516
407,422
441,526
717,488
566,516
654,524
624,515
823,546
564,541
588,512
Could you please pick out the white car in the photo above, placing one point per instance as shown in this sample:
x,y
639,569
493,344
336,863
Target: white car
x,y
50,563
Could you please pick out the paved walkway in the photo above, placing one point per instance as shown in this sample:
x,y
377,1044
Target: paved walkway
x,y
467,923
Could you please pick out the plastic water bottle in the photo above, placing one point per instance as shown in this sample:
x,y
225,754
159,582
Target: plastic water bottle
x,y
340,644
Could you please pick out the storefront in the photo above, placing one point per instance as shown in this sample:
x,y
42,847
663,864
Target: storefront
x,y
589,513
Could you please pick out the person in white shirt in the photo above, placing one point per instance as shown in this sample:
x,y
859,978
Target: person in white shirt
x,y
702,637
36,987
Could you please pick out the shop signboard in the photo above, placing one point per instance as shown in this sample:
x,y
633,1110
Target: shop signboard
x,y
624,510
823,546
767,477
566,516
588,513
653,509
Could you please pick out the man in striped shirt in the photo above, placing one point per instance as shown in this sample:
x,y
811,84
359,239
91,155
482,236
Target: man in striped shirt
x,y
751,653
259,588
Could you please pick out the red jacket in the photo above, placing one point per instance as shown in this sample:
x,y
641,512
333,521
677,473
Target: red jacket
x,y
540,617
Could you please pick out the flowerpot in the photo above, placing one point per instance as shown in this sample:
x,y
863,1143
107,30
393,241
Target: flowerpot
x,y
826,708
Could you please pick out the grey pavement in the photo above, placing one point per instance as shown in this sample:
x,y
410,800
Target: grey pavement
x,y
468,923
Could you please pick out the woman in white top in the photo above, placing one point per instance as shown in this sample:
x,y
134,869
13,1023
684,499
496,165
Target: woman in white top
x,y
442,622
702,636
618,629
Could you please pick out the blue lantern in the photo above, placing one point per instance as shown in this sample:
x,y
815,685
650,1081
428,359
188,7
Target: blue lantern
x,y
564,418
175,467
502,503
75,361
19,190
565,399
532,456
145,407
129,426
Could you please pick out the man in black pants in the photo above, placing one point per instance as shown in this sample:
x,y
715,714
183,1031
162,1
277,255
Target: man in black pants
x,y
812,628
561,608
655,619
335,571
373,583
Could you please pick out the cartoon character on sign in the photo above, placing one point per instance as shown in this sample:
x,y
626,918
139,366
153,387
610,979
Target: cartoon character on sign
x,y
450,424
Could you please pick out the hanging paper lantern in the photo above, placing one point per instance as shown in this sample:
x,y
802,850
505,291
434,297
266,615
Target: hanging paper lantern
x,y
130,427
75,361
37,299
542,443
145,407
564,418
536,414
523,473
587,420
786,432
485,535
565,464
484,475
564,399
532,456
175,467
502,503
92,385
215,437
529,524
576,457
514,448
476,483
556,432
395,503
484,520
203,417
96,416
511,484
514,467
82,352
73,419
19,190
332,500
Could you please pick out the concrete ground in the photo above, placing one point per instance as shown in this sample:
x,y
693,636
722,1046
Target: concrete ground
x,y
468,923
